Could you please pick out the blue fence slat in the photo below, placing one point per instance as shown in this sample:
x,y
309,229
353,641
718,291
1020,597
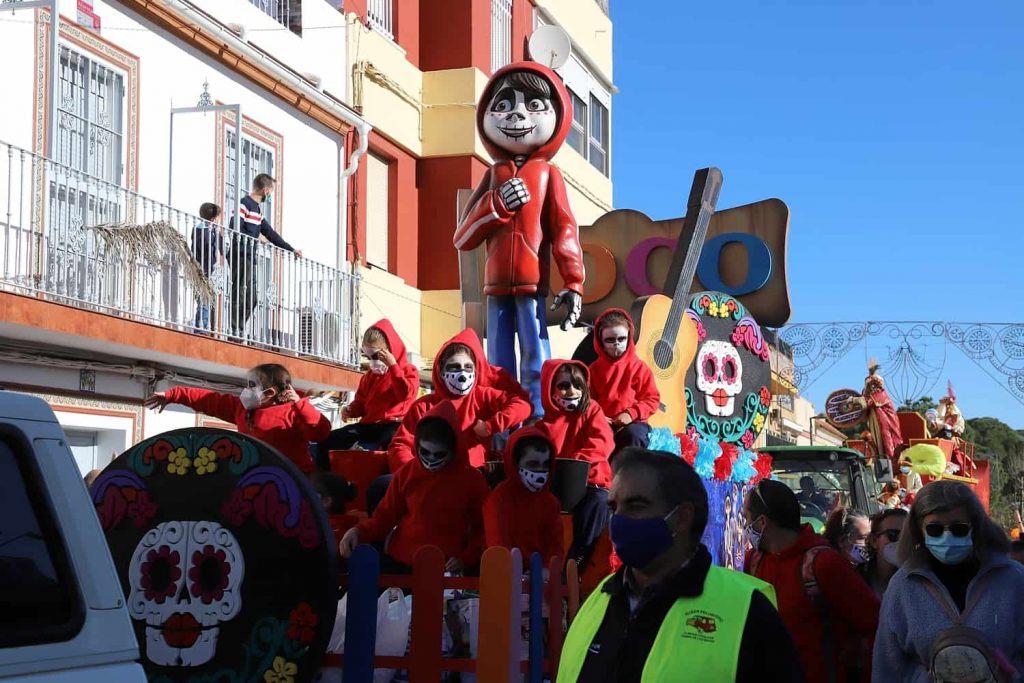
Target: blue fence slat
x,y
361,616
536,670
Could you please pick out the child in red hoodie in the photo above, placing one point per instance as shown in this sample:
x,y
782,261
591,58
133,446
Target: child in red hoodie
x,y
436,499
462,376
621,383
521,511
268,409
579,430
382,399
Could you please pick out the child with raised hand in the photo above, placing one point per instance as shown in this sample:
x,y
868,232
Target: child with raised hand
x,y
436,499
482,410
521,511
268,408
621,383
579,430
383,397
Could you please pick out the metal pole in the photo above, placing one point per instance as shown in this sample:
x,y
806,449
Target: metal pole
x,y
170,160
54,62
238,164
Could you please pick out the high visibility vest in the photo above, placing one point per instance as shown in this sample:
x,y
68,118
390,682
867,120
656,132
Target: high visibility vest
x,y
699,640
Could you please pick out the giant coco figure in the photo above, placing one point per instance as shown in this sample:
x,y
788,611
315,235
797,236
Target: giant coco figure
x,y
521,211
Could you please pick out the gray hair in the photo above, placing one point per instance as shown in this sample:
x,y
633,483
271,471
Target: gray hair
x,y
942,496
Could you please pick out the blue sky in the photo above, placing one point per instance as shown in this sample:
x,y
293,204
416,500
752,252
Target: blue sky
x,y
893,130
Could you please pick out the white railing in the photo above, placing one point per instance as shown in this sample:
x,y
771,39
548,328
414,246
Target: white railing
x,y
279,10
381,16
72,238
501,33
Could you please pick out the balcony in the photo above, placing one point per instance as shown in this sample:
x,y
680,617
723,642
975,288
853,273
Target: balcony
x,y
73,239
380,15
288,13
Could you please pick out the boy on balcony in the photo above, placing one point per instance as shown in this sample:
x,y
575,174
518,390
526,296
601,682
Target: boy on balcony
x,y
243,256
207,247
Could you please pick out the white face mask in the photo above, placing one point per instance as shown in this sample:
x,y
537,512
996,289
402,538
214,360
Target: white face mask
x,y
753,536
433,456
889,554
459,382
568,404
251,397
378,367
533,481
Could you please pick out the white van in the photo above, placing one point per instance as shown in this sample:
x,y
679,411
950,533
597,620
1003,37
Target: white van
x,y
62,612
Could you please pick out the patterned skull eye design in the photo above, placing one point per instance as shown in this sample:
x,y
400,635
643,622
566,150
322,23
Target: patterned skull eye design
x,y
719,377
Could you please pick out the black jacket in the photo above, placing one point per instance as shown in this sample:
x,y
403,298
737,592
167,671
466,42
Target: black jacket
x,y
767,654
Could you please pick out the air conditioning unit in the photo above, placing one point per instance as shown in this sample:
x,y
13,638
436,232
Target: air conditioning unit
x,y
320,337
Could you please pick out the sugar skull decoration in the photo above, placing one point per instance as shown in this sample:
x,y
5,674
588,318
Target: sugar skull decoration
x,y
222,549
727,394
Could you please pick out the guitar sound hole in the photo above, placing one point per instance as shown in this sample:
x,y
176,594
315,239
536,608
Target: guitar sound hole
x,y
662,354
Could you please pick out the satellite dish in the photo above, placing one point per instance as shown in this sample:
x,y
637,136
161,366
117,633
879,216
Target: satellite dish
x,y
550,45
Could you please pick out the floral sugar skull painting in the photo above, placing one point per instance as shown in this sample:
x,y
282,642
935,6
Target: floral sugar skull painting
x,y
222,549
727,394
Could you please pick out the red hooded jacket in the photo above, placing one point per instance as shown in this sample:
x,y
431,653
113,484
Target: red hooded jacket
x,y
624,384
288,427
498,409
515,517
387,397
442,508
520,242
852,605
578,435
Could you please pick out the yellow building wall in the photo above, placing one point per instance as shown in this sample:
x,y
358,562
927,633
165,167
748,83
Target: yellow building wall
x,y
383,295
449,112
589,27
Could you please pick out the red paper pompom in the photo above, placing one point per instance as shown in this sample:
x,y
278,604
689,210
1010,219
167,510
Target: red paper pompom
x,y
688,449
763,467
723,468
731,451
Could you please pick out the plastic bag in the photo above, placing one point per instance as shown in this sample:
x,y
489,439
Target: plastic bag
x,y
336,643
394,615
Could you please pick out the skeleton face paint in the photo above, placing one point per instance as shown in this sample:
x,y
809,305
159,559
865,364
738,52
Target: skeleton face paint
x,y
518,123
615,340
433,455
186,580
719,376
534,466
533,481
459,374
566,396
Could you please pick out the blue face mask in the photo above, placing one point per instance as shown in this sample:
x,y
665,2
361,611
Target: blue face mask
x,y
640,541
948,549
905,470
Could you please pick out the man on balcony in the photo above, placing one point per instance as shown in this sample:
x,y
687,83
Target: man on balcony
x,y
244,255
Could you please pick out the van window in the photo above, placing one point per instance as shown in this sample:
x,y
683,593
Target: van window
x,y
38,598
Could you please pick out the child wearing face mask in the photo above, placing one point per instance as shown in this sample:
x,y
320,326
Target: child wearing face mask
x,y
463,378
383,397
621,383
521,511
579,430
435,499
268,408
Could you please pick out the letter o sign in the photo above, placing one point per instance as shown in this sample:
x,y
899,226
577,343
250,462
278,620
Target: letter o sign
x,y
759,263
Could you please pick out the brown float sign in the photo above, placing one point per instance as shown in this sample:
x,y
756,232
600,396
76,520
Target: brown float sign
x,y
627,255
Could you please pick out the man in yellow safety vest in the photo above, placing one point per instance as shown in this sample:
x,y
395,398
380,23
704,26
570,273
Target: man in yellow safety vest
x,y
669,615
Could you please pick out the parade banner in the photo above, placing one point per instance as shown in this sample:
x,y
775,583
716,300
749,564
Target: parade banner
x,y
724,535
225,557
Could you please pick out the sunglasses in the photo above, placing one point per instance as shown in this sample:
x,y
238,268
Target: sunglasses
x,y
892,535
958,529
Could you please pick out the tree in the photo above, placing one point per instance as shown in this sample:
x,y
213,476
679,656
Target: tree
x,y
1004,448
921,405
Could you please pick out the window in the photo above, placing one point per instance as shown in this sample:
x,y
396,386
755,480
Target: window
x,y
598,135
380,16
256,159
786,401
501,33
37,594
83,447
90,115
377,211
578,131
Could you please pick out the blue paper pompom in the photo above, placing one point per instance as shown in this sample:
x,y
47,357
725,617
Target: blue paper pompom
x,y
743,469
662,439
707,452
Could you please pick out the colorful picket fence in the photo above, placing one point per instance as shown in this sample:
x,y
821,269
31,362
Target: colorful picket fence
x,y
500,585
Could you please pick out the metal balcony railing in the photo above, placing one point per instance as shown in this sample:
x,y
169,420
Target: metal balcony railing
x,y
380,15
74,239
281,11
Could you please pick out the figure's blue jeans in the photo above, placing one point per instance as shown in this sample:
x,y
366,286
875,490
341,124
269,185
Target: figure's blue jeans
x,y
526,316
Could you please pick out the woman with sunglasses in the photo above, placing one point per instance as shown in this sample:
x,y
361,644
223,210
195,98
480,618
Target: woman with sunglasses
x,y
955,573
883,541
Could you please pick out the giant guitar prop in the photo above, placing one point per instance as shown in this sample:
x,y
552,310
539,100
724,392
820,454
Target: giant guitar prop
x,y
225,556
666,337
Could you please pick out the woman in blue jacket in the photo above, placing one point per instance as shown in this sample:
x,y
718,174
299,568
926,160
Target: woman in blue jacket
x,y
955,572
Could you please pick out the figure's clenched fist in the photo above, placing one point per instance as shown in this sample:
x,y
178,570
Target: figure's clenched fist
x,y
514,194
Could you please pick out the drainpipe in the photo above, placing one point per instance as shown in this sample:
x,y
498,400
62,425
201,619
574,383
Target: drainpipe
x,y
308,91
